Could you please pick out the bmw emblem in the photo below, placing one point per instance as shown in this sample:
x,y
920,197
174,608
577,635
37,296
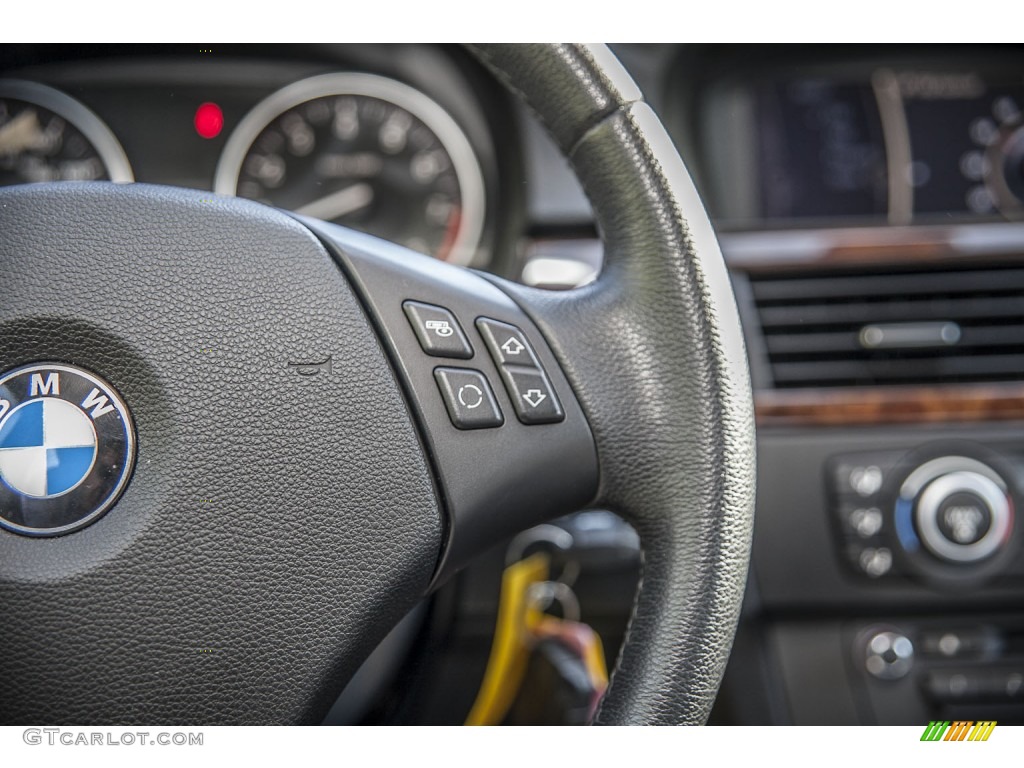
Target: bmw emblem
x,y
67,448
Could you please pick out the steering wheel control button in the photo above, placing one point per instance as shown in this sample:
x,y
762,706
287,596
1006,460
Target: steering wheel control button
x,y
888,655
67,448
506,343
437,330
468,398
532,396
963,517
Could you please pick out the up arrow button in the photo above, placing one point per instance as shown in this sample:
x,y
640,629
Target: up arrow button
x,y
513,346
506,343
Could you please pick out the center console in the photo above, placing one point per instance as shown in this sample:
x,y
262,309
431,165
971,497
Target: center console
x,y
888,577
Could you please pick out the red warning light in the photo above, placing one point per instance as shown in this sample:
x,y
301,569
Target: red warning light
x,y
209,120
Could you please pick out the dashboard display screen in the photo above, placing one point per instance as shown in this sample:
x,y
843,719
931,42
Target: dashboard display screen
x,y
821,150
901,144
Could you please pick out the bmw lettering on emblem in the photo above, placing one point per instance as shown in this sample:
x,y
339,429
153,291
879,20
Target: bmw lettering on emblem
x,y
67,447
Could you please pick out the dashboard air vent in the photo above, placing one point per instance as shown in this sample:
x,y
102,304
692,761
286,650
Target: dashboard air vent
x,y
957,325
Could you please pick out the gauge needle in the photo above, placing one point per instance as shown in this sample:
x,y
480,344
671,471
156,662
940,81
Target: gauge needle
x,y
340,203
20,133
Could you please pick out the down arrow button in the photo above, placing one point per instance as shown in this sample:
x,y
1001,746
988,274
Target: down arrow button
x,y
531,394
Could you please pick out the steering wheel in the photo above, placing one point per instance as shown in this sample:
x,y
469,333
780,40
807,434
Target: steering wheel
x,y
328,425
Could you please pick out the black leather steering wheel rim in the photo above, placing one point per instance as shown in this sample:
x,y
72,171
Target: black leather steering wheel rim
x,y
278,524
673,425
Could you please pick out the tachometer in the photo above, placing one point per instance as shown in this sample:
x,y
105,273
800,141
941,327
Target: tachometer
x,y
364,151
45,135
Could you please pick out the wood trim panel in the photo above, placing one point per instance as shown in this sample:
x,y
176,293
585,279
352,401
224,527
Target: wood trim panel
x,y
908,246
889,405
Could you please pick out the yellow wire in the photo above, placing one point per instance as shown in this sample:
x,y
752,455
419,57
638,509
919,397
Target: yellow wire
x,y
509,654
593,657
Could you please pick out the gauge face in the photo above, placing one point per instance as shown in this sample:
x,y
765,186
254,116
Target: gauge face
x,y
45,135
996,162
365,152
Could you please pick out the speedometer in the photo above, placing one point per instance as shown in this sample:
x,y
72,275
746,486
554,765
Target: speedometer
x,y
364,151
45,135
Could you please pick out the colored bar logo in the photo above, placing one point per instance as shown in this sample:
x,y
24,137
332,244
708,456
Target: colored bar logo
x,y
958,730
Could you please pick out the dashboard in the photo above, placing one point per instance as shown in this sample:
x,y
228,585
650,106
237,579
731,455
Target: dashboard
x,y
870,205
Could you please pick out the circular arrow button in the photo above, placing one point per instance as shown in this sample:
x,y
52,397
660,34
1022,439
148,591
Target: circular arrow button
x,y
470,395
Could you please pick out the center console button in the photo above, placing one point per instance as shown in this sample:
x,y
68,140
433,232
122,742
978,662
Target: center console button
x,y
888,655
963,517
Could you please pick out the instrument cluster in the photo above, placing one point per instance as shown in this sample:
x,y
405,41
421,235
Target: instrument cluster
x,y
396,142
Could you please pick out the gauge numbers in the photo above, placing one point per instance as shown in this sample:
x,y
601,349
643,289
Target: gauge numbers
x,y
366,152
45,135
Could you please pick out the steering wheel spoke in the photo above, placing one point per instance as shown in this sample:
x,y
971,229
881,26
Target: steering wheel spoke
x,y
508,440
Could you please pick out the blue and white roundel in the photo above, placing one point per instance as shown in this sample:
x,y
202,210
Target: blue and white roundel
x,y
67,449
47,447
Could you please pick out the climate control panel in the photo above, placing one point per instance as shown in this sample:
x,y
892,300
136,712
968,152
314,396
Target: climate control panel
x,y
941,514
